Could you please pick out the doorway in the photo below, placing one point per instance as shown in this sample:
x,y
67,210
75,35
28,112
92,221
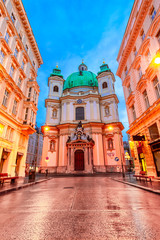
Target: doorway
x,y
157,162
79,160
18,161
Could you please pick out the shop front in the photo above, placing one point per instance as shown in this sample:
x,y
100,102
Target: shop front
x,y
155,147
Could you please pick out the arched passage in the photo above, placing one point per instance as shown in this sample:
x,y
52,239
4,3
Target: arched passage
x,y
79,160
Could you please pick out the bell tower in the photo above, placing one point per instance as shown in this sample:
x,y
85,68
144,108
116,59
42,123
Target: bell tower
x,y
55,84
109,101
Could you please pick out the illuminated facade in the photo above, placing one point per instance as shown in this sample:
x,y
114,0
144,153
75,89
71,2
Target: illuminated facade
x,y
141,83
82,131
19,61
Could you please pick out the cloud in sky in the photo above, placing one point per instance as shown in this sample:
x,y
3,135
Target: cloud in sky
x,y
69,31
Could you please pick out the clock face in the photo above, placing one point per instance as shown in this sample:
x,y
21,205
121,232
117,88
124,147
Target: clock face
x,y
79,101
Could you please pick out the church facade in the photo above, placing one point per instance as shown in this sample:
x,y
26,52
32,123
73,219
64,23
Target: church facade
x,y
82,131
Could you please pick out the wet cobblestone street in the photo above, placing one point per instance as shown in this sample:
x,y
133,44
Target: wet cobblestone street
x,y
80,208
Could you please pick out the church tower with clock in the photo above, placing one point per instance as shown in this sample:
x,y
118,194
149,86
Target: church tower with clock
x,y
82,133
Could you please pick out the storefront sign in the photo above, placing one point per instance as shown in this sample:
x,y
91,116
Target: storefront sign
x,y
138,138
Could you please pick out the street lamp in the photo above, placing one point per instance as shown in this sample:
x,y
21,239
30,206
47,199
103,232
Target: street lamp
x,y
157,60
123,172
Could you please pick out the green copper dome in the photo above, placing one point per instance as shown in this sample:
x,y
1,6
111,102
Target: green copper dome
x,y
81,78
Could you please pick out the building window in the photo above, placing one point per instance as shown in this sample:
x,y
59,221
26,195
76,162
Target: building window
x,y
153,131
80,113
158,36
54,113
7,37
14,110
5,98
145,96
142,35
52,145
153,13
134,113
29,92
148,56
129,89
1,57
55,89
15,52
20,36
140,72
71,84
9,133
35,96
107,111
22,66
156,87
110,143
135,51
126,71
26,47
33,63
105,85
11,71
26,114
32,116
19,82
13,18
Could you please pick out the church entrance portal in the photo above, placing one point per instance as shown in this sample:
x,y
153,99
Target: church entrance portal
x,y
79,160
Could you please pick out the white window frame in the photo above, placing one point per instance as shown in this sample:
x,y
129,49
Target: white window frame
x,y
5,98
11,71
146,100
7,37
156,85
15,105
2,55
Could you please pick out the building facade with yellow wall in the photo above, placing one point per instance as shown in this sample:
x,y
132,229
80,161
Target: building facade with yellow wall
x,y
82,131
139,69
19,61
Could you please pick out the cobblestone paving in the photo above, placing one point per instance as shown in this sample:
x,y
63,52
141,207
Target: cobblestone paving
x,y
80,208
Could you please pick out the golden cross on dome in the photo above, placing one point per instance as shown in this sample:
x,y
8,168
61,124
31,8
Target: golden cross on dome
x,y
57,65
103,61
82,60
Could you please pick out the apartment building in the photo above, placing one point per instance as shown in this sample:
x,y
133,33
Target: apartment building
x,y
139,70
19,61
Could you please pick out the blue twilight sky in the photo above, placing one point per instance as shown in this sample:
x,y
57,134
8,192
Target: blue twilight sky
x,y
69,31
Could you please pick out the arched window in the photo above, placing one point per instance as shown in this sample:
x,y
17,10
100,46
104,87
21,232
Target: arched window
x,y
110,143
52,145
80,113
55,89
107,110
54,113
105,85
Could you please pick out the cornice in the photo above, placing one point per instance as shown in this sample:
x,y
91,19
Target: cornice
x,y
28,29
80,96
110,96
134,31
151,111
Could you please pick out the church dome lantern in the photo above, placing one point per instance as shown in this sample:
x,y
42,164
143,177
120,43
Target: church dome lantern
x,y
81,78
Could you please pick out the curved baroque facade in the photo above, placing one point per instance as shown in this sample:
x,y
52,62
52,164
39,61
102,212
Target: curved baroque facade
x,y
82,131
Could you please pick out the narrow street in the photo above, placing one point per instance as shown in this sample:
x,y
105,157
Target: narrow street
x,y
80,208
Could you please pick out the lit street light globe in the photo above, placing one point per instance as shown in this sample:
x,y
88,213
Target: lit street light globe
x,y
157,60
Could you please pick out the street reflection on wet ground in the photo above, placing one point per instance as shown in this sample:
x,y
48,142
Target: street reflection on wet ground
x,y
80,208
